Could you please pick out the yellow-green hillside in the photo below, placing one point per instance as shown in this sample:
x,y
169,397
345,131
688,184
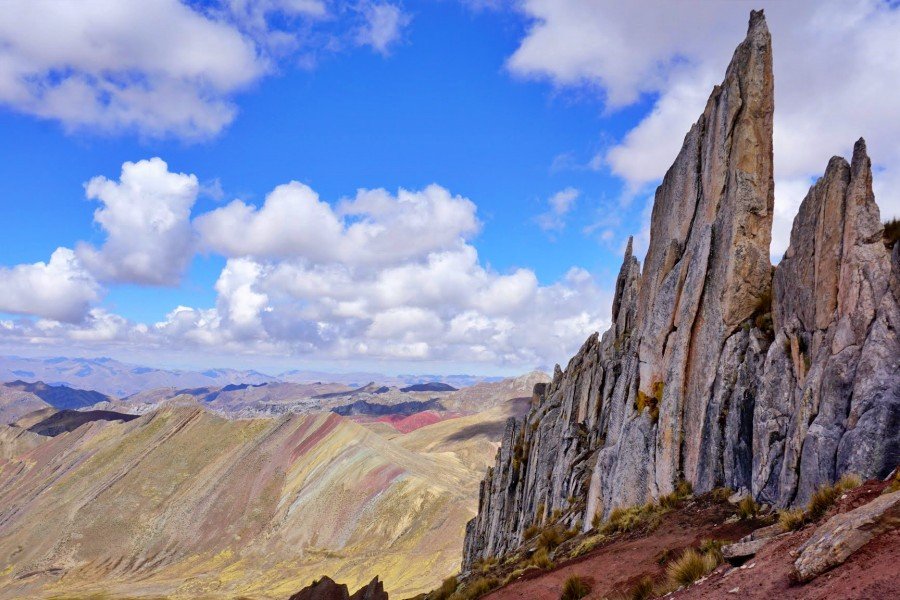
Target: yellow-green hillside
x,y
182,503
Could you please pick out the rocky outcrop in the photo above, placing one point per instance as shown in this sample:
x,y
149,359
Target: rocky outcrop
x,y
829,399
844,534
327,589
718,369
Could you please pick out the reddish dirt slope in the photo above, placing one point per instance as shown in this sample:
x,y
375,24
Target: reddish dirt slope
x,y
623,562
872,573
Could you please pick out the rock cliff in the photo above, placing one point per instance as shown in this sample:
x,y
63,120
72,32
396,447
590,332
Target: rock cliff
x,y
718,369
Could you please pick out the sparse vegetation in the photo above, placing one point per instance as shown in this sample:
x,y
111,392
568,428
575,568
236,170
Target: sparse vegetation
x,y
722,494
448,587
531,531
690,567
541,559
643,590
713,547
588,544
485,565
575,588
747,508
822,500
791,520
650,402
550,538
476,589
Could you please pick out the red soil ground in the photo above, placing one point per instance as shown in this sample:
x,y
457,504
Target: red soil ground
x,y
872,573
620,564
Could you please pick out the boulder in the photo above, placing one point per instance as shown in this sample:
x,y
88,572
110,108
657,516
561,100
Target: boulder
x,y
844,534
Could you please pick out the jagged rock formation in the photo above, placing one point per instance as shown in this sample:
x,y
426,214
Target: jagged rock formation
x,y
327,589
718,369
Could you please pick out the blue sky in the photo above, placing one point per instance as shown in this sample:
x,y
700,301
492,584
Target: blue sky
x,y
516,108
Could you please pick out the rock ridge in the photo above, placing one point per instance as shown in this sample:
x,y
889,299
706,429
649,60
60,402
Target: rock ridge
x,y
719,369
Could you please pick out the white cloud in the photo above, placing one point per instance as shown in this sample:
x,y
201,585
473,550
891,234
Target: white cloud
x,y
836,70
374,227
146,216
155,67
375,277
559,205
59,289
383,27
166,67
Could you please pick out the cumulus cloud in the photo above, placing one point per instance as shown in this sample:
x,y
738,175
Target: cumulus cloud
x,y
165,67
559,205
59,289
383,27
831,59
146,216
376,276
374,227
154,67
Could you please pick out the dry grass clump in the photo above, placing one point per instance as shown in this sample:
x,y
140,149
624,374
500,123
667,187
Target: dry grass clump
x,y
531,531
588,544
822,500
650,401
748,508
575,588
643,590
791,520
541,559
713,547
486,564
448,586
690,567
721,494
628,519
476,589
550,538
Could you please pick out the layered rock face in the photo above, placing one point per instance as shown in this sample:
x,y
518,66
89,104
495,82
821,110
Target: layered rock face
x,y
718,369
829,397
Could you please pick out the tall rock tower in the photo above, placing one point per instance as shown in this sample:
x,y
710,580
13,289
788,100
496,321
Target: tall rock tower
x,y
710,373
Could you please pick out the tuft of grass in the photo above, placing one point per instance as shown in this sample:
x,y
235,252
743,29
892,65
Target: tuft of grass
x,y
650,401
485,565
668,500
643,590
748,508
531,531
848,481
515,574
791,520
588,544
713,547
550,538
541,559
597,519
690,567
722,494
684,488
823,499
448,587
575,588
477,589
